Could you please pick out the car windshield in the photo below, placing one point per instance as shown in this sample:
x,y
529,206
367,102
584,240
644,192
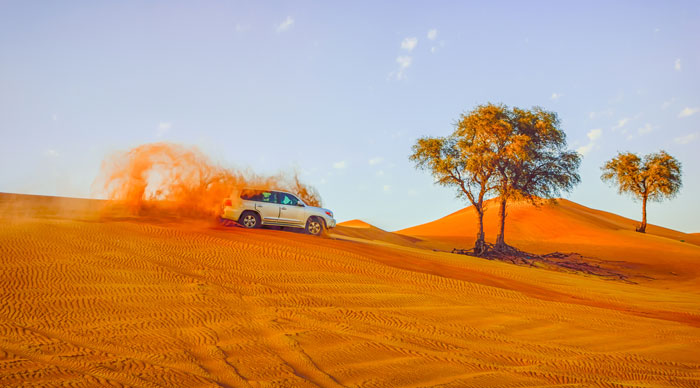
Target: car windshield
x,y
288,199
259,196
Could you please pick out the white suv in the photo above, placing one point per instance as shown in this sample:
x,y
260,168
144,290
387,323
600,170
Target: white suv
x,y
278,208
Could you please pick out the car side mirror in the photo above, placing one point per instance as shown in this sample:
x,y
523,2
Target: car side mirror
x,y
300,204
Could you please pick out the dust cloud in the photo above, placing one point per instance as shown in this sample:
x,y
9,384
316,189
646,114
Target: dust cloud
x,y
183,180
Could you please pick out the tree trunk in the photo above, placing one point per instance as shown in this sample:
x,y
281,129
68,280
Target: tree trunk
x,y
501,239
480,244
643,227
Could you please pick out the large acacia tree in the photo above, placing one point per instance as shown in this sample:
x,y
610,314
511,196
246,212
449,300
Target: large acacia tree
x,y
494,150
654,177
533,162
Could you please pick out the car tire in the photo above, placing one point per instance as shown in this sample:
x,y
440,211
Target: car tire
x,y
314,226
249,220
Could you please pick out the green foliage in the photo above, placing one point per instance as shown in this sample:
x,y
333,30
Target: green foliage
x,y
514,153
651,178
494,150
654,177
535,162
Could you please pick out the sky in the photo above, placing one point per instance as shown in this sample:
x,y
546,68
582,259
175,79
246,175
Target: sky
x,y
340,91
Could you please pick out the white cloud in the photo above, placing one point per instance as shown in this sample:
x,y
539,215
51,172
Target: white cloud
x,y
379,173
54,117
647,128
409,43
641,131
688,112
52,153
677,64
668,103
404,62
621,123
584,150
386,188
242,27
432,34
686,139
163,128
556,96
376,160
340,165
593,135
286,24
440,45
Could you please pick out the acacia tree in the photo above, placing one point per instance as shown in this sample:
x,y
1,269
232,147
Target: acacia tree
x,y
654,177
515,153
466,160
533,162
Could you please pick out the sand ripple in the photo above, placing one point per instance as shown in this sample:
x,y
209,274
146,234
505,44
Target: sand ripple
x,y
154,304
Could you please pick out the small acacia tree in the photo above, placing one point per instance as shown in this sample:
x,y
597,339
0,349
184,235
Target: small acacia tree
x,y
653,177
533,162
466,160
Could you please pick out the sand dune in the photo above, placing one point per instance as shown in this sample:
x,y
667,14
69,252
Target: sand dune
x,y
357,229
148,302
569,227
356,224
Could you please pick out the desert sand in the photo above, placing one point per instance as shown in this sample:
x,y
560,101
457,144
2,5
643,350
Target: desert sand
x,y
93,298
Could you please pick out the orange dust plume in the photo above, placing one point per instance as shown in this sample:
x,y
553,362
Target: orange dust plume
x,y
184,180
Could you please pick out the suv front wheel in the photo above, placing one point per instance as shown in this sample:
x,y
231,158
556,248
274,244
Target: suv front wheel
x,y
314,226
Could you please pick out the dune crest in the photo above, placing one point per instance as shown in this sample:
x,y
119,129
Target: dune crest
x,y
358,229
355,224
566,226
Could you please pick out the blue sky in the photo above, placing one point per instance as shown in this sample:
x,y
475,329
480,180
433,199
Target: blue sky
x,y
341,90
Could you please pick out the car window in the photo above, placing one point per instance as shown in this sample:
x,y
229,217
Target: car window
x,y
269,196
259,196
288,199
251,195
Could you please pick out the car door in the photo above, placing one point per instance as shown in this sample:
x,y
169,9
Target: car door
x,y
292,210
266,204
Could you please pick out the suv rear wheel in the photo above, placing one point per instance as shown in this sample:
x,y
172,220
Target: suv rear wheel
x,y
314,226
249,220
